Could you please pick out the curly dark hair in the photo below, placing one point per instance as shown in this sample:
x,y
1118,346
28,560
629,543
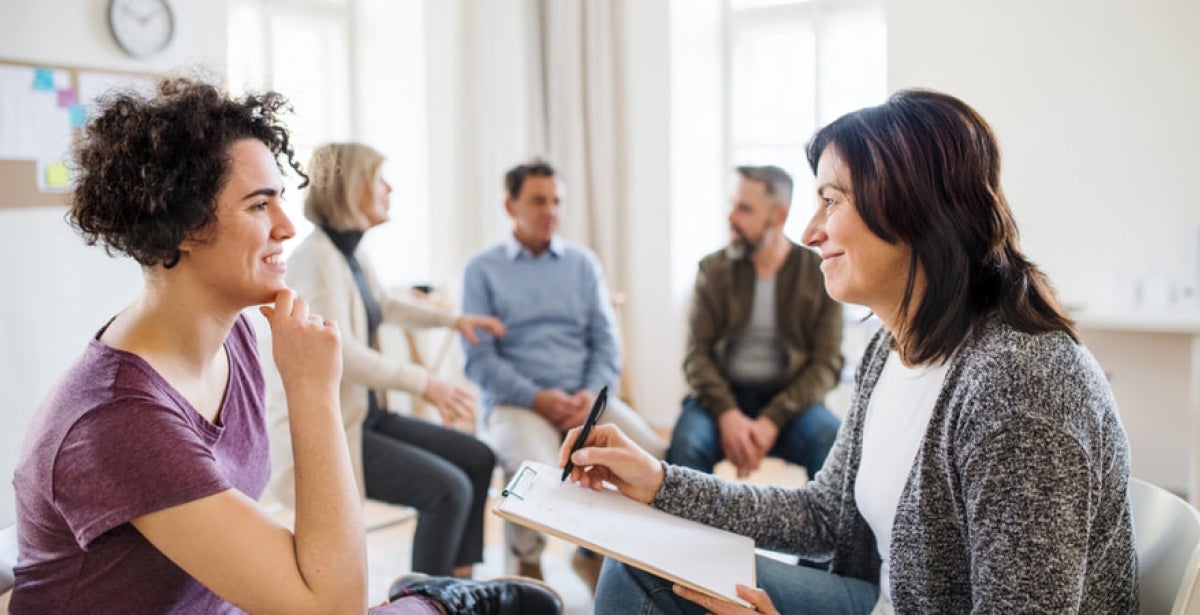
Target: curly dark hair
x,y
148,169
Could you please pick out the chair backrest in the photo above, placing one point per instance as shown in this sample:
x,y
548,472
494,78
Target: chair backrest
x,y
8,557
1166,531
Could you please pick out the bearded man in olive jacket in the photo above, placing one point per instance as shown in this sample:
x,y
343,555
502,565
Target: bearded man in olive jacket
x,y
764,345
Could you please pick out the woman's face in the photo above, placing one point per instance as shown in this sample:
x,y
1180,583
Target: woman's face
x,y
239,256
859,266
376,201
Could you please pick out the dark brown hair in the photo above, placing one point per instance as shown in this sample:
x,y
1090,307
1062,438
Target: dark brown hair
x,y
148,169
515,177
925,171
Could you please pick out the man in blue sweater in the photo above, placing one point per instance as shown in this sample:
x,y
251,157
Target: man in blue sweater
x,y
561,345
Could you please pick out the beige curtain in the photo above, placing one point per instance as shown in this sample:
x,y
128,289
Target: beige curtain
x,y
515,79
511,79
575,118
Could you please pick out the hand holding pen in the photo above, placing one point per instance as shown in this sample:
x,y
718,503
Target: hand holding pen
x,y
608,455
598,407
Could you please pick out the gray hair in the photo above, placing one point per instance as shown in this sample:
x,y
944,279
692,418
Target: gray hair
x,y
777,181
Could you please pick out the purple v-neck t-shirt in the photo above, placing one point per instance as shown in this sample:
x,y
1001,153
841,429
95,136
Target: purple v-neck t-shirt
x,y
114,441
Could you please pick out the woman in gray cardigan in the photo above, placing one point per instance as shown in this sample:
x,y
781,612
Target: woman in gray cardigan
x,y
982,467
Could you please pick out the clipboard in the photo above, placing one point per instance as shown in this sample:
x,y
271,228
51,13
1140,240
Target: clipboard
x,y
704,558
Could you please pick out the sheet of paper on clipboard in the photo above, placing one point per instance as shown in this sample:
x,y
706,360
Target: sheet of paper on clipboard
x,y
705,558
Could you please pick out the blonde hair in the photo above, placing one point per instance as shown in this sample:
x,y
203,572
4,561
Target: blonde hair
x,y
338,174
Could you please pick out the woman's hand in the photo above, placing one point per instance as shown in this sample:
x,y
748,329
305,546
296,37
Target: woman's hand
x,y
468,323
609,455
454,403
757,597
307,348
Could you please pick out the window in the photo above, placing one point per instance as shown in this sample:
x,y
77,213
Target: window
x,y
795,66
299,48
353,71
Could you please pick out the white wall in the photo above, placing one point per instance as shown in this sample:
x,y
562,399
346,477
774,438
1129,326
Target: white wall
x,y
1096,108
55,291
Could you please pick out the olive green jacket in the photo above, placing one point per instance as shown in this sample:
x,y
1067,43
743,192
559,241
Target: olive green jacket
x,y
807,320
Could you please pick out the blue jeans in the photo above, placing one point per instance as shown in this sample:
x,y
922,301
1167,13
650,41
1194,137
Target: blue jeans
x,y
805,440
625,590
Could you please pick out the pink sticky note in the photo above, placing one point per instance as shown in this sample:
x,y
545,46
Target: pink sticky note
x,y
66,98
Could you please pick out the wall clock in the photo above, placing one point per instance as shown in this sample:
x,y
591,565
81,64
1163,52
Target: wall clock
x,y
142,28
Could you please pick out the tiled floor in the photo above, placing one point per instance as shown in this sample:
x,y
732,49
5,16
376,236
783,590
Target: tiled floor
x,y
389,549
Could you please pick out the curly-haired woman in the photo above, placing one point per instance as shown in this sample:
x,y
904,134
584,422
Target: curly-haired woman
x,y
137,485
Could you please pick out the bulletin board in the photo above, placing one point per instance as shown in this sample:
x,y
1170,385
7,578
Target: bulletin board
x,y
42,108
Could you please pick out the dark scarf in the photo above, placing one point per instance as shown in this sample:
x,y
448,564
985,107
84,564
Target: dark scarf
x,y
347,242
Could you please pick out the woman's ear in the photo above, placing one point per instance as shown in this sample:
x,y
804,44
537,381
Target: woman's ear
x,y
198,237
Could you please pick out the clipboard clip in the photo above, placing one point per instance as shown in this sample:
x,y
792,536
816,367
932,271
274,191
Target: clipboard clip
x,y
520,484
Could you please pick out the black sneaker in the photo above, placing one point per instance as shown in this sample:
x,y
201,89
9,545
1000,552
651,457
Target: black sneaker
x,y
508,596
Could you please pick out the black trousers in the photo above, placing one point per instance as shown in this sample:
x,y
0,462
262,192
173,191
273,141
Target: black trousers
x,y
442,473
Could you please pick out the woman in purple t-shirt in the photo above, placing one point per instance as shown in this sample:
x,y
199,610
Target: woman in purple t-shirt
x,y
137,485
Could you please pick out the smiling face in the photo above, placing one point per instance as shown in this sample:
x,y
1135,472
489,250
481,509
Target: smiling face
x,y
859,266
239,256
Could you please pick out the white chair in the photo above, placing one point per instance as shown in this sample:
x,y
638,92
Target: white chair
x,y
1166,532
8,557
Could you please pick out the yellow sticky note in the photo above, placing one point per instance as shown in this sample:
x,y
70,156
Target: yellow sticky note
x,y
57,175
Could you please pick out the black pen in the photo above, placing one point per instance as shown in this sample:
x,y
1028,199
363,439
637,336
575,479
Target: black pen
x,y
588,424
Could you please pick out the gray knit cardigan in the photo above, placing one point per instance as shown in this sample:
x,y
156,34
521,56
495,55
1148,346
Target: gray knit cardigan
x,y
1016,502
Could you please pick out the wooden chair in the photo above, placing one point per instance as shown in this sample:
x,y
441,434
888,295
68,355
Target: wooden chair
x,y
618,303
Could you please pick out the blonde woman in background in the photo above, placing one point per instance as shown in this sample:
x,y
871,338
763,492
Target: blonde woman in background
x,y
441,472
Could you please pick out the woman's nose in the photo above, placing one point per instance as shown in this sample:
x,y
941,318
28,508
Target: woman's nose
x,y
283,225
814,233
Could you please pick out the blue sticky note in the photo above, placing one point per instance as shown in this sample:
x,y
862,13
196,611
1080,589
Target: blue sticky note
x,y
43,79
78,115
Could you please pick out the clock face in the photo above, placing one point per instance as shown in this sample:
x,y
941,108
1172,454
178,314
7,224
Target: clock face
x,y
142,27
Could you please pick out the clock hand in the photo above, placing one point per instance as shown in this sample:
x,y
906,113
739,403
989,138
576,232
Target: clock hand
x,y
132,13
148,17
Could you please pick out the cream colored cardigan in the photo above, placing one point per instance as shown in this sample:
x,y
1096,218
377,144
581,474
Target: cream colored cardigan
x,y
319,274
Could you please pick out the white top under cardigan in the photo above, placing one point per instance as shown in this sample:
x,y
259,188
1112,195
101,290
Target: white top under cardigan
x,y
897,418
319,274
